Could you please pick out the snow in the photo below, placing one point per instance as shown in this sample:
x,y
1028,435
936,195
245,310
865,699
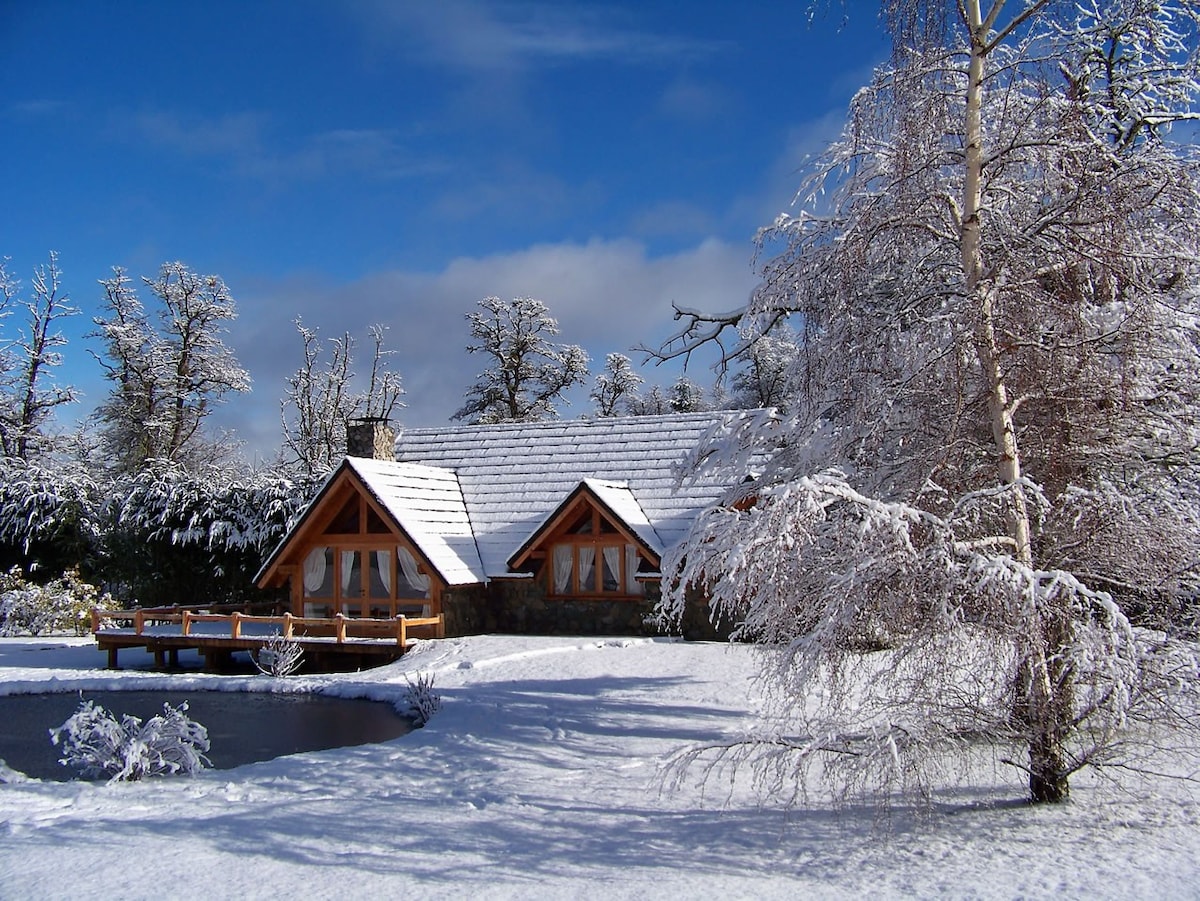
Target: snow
x,y
543,776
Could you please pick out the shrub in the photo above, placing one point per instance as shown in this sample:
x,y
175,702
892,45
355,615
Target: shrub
x,y
422,700
62,604
278,656
97,745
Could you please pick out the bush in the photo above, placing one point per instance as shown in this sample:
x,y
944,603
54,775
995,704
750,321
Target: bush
x,y
278,656
422,700
62,604
97,745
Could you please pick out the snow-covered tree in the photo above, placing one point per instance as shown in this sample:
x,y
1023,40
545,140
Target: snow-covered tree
x,y
178,536
654,402
993,451
616,386
51,517
529,373
765,379
322,398
686,396
169,369
28,357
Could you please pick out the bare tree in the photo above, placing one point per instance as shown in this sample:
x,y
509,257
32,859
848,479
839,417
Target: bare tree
x,y
616,386
993,446
168,371
26,401
321,399
529,374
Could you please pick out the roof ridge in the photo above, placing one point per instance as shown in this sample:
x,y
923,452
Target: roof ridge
x,y
579,422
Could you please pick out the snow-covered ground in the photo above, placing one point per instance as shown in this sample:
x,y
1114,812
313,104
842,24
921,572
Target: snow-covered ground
x,y
542,777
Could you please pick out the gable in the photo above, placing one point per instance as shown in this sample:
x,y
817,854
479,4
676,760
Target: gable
x,y
613,503
419,504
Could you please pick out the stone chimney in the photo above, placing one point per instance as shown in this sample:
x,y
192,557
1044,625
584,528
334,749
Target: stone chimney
x,y
371,437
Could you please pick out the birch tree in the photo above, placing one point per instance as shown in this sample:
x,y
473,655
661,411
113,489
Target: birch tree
x,y
529,372
993,450
169,370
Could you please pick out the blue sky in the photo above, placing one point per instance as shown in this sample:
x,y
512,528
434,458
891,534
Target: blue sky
x,y
395,162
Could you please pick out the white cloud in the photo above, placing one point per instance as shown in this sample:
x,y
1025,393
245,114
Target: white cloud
x,y
474,36
607,296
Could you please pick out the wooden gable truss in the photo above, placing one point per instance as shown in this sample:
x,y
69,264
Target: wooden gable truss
x,y
585,550
348,555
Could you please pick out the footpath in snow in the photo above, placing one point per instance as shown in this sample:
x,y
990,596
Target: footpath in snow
x,y
542,777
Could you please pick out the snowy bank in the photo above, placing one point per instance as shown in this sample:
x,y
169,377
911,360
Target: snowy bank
x,y
542,777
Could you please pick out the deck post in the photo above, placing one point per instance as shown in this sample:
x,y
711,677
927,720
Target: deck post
x,y
186,622
287,624
112,657
402,630
95,620
235,627
340,627
139,619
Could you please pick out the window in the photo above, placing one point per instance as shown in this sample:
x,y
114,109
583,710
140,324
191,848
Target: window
x,y
361,581
598,568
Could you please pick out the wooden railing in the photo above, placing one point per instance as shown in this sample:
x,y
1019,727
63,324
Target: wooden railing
x,y
341,627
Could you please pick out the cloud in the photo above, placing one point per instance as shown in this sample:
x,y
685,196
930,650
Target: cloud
x,y
690,100
606,295
475,36
246,144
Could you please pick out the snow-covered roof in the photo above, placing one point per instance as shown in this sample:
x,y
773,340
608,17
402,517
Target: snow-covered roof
x,y
514,475
427,503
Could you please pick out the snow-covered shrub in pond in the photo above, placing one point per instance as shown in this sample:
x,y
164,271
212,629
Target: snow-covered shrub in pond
x,y
62,604
96,744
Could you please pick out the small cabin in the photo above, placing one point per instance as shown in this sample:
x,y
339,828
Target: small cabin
x,y
550,527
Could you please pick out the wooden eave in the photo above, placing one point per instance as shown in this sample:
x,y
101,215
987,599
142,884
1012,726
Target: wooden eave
x,y
582,495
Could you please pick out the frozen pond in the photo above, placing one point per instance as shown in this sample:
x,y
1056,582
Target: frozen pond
x,y
243,727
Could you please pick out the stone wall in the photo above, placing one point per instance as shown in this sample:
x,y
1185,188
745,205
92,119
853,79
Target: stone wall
x,y
521,607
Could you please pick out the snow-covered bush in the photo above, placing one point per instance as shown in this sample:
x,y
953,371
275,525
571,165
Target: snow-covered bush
x,y
63,604
176,536
422,700
50,514
278,656
96,744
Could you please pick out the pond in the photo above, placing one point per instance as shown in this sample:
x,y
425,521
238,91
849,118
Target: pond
x,y
243,727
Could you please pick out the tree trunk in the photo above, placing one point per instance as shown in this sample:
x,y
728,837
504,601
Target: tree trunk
x,y
1042,708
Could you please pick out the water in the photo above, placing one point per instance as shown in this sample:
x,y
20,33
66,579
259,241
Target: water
x,y
243,727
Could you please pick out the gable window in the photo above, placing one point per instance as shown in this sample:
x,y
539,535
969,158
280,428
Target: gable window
x,y
604,567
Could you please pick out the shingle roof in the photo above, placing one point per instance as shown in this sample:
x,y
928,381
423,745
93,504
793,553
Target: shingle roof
x,y
514,475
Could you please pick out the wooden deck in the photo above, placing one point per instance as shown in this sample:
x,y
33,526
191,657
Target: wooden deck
x,y
336,642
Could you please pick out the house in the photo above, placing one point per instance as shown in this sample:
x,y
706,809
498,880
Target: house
x,y
549,527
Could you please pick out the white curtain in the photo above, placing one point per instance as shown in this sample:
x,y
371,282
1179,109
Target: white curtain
x,y
632,585
314,570
383,562
612,565
408,565
563,558
587,564
347,569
